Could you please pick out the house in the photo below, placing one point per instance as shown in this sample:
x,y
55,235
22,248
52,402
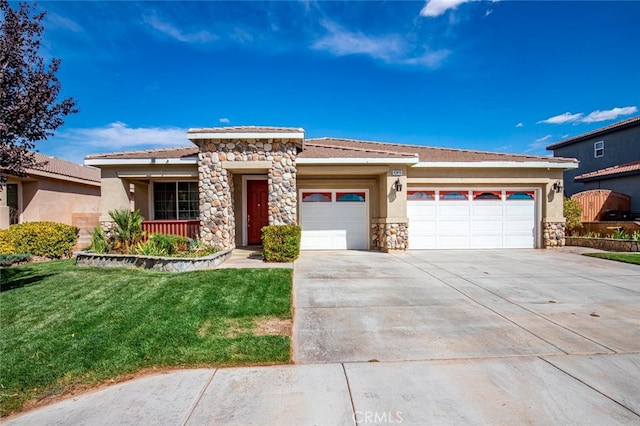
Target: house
x,y
345,194
609,160
60,191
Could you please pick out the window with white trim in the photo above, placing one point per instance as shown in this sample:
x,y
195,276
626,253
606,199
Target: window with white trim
x,y
175,201
598,149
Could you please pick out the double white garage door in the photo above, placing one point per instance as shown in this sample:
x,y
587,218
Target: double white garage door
x,y
438,219
463,219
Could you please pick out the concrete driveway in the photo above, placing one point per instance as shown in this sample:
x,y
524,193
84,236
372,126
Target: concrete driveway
x,y
436,305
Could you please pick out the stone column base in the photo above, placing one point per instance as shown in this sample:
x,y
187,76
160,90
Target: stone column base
x,y
553,234
390,236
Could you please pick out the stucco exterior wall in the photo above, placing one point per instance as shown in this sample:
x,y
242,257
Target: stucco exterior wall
x,y
620,147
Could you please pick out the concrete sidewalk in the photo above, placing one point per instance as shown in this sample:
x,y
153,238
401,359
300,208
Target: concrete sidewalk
x,y
567,389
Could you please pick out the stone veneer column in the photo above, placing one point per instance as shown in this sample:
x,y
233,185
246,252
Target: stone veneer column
x,y
282,185
217,225
553,234
390,236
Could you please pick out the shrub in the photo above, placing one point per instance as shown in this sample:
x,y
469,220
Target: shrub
x,y
99,242
6,244
572,214
48,239
128,230
10,259
151,248
620,234
281,243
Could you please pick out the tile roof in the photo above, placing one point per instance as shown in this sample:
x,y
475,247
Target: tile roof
x,y
242,129
631,122
65,170
609,172
355,148
177,152
349,148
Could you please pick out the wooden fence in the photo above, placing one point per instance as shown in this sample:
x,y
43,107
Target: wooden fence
x,y
596,202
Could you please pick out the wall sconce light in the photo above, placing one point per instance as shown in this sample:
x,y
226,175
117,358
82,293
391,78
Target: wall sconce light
x,y
557,187
398,185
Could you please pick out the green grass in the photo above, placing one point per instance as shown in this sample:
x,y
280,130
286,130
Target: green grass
x,y
620,257
64,326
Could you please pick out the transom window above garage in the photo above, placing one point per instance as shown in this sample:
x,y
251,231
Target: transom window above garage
x,y
454,195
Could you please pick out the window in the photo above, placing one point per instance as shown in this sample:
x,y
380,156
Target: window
x,y
350,197
421,195
12,203
519,195
316,197
453,195
598,149
487,195
175,200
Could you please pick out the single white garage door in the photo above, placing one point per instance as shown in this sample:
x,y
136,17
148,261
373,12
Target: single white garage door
x,y
334,219
461,219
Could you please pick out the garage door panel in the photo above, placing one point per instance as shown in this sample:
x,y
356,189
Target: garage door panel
x,y
420,227
453,226
487,226
517,241
453,209
453,241
519,208
487,241
491,210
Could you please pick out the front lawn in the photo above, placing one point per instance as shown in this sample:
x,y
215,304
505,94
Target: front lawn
x,y
64,327
621,257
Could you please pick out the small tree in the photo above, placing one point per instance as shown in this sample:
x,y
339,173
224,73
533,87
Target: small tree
x,y
29,89
128,231
572,214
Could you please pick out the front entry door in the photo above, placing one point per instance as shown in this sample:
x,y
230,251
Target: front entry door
x,y
257,210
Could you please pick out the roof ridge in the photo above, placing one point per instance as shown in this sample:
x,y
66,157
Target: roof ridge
x,y
380,151
142,151
504,154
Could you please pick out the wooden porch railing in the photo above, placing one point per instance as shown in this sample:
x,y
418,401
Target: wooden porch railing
x,y
184,228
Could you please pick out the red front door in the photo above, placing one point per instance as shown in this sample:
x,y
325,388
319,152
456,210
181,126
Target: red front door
x,y
257,210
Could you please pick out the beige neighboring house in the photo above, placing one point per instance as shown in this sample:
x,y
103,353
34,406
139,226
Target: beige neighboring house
x,y
345,194
61,191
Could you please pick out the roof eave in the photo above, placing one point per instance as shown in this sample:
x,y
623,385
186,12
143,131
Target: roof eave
x,y
498,164
138,161
354,161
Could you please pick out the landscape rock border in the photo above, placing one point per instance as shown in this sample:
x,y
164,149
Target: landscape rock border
x,y
156,263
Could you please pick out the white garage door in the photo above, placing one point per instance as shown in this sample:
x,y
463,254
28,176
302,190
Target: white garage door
x,y
334,219
461,219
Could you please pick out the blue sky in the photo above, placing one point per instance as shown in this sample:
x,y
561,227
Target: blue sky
x,y
509,76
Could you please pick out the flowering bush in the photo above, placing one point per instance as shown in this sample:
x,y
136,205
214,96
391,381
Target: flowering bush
x,y
48,239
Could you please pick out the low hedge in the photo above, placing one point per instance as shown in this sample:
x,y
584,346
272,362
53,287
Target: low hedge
x,y
281,243
48,239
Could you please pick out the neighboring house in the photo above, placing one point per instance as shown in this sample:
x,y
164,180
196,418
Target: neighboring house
x,y
61,191
609,159
345,194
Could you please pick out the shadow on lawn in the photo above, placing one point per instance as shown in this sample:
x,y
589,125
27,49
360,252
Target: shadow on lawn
x,y
12,278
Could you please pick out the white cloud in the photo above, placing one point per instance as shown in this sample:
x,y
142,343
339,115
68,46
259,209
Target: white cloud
x,y
520,125
119,136
488,12
56,21
342,42
434,8
592,117
174,32
610,114
567,117
538,145
390,48
224,120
